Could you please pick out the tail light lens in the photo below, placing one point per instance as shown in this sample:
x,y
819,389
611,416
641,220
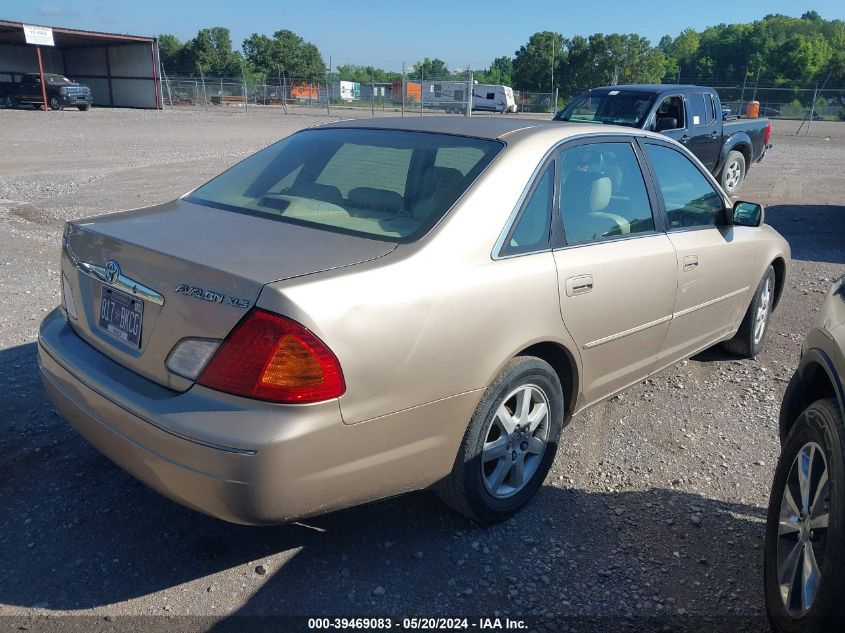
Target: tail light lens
x,y
767,134
270,357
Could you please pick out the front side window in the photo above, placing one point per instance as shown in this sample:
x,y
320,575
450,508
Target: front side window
x,y
388,184
532,228
689,198
602,193
671,108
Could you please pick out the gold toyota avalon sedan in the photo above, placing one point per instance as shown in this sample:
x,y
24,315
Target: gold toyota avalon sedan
x,y
372,307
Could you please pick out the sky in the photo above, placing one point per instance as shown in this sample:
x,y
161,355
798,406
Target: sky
x,y
384,34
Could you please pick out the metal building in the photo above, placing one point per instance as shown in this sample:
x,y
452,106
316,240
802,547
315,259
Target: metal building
x,y
121,70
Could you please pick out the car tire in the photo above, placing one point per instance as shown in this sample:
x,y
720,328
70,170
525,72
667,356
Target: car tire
x,y
495,472
84,108
818,437
55,104
733,173
749,338
10,102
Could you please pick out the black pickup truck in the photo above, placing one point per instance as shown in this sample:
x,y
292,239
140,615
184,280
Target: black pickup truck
x,y
61,92
691,115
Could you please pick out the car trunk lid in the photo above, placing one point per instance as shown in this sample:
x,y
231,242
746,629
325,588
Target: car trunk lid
x,y
195,271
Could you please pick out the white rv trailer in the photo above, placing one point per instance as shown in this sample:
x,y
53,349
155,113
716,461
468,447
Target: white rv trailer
x,y
451,96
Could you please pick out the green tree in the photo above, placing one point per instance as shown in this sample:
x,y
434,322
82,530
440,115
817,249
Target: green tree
x,y
169,49
286,52
537,60
211,50
433,68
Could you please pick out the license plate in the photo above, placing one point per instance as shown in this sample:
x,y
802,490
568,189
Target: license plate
x,y
121,315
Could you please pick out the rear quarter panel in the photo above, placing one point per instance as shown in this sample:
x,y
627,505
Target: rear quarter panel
x,y
439,317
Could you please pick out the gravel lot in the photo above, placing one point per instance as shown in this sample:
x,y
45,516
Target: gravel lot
x,y
654,507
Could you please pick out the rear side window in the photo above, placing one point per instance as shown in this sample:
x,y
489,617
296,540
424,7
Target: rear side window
x,y
689,198
388,184
602,193
532,228
701,109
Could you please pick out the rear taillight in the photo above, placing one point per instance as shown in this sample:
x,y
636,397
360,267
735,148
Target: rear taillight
x,y
767,134
270,357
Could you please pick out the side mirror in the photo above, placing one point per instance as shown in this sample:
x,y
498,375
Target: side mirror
x,y
747,214
666,123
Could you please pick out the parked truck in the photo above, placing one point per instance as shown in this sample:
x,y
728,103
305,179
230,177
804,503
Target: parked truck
x,y
691,115
61,92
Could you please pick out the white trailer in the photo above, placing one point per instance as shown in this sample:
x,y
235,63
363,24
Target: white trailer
x,y
346,90
451,96
490,98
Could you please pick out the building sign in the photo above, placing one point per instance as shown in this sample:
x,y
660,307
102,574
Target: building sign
x,y
38,35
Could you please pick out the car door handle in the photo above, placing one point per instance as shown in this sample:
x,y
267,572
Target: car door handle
x,y
690,263
579,285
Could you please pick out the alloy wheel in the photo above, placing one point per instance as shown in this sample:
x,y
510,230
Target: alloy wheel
x,y
802,529
515,441
763,309
734,175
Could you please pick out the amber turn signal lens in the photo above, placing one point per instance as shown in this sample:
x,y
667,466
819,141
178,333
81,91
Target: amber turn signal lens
x,y
292,364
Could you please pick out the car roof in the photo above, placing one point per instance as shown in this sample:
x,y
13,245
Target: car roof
x,y
650,87
485,127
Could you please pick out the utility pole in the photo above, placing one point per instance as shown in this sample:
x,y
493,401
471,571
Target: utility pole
x,y
470,90
742,94
757,81
328,89
246,96
553,64
402,89
204,93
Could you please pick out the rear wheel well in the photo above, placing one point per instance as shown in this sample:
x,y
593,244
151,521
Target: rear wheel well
x,y
780,277
815,385
564,365
743,149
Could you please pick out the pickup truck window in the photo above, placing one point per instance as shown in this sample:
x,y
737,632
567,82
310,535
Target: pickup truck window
x,y
701,109
711,104
602,193
616,107
689,198
672,108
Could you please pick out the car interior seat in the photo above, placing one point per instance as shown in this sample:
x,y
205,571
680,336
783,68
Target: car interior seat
x,y
584,200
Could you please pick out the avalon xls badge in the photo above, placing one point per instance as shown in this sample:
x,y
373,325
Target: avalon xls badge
x,y
211,295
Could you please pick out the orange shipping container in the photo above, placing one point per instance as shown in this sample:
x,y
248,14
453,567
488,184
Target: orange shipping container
x,y
413,91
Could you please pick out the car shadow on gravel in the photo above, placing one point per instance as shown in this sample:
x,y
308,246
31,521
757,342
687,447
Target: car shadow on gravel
x,y
78,533
814,232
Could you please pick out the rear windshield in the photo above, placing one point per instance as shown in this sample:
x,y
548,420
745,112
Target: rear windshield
x,y
616,107
386,184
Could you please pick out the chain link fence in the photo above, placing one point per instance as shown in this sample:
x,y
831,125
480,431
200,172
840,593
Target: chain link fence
x,y
406,97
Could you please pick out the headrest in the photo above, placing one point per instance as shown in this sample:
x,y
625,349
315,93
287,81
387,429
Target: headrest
x,y
376,199
600,193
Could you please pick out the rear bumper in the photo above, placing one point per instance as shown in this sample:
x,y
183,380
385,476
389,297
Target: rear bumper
x,y
237,459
